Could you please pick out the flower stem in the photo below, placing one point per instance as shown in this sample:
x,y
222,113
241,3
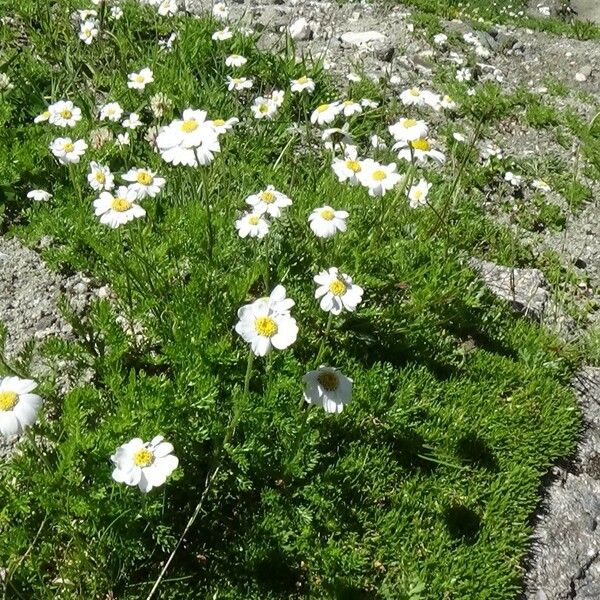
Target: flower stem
x,y
209,224
324,339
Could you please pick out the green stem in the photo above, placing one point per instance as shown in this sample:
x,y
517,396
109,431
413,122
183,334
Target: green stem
x,y
324,339
38,450
209,224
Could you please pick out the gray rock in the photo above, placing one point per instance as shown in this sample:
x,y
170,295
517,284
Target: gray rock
x,y
362,38
586,10
486,40
384,51
505,41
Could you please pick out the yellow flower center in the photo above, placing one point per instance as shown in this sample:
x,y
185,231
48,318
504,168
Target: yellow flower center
x,y
65,113
143,458
46,114
253,219
420,144
379,175
189,125
418,194
415,92
263,108
265,326
144,178
327,214
322,107
302,80
120,204
68,147
236,80
408,123
328,380
337,287
267,196
347,102
8,400
100,177
218,122
353,165
139,78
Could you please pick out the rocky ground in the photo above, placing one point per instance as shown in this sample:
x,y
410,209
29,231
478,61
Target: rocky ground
x,y
381,42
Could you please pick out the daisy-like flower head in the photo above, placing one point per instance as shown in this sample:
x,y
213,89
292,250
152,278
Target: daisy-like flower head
x,y
39,195
238,83
132,121
68,151
100,178
420,149
408,129
337,138
64,114
123,139
18,406
88,31
111,112
222,126
42,117
252,224
417,195
263,108
235,60
222,35
138,81
168,8
118,209
326,113
347,168
145,464
268,201
378,178
144,182
277,96
326,221
264,326
412,97
328,388
349,108
302,84
159,104
337,292
220,11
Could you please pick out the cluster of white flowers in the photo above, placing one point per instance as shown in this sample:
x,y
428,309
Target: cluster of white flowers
x,y
265,204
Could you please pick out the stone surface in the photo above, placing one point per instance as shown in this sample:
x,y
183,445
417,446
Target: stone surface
x,y
587,10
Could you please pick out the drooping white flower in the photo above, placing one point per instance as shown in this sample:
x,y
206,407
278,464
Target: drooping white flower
x,y
222,35
88,31
337,292
18,406
263,108
417,195
236,60
145,464
408,129
132,121
302,84
328,388
39,195
420,150
144,182
378,178
337,138
118,209
68,151
252,225
138,81
264,326
268,201
64,114
238,83
326,221
326,113
111,111
100,178
346,169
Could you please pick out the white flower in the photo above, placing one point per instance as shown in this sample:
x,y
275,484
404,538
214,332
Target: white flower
x,y
378,178
145,464
326,222
111,111
222,35
420,150
367,103
328,388
408,129
263,108
138,81
268,201
45,116
116,12
277,96
88,31
326,113
417,194
413,97
253,225
448,103
337,292
85,15
514,180
349,108
222,126
440,39
235,60
123,139
464,74
144,182
159,104
459,137
336,138
220,11
263,326
377,142
168,8
238,83
115,210
347,168
541,185
64,114
132,121
39,195
67,151
490,149
18,406
100,178
277,301
302,84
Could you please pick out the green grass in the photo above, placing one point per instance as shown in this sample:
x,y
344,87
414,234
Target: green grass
x,y
422,488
